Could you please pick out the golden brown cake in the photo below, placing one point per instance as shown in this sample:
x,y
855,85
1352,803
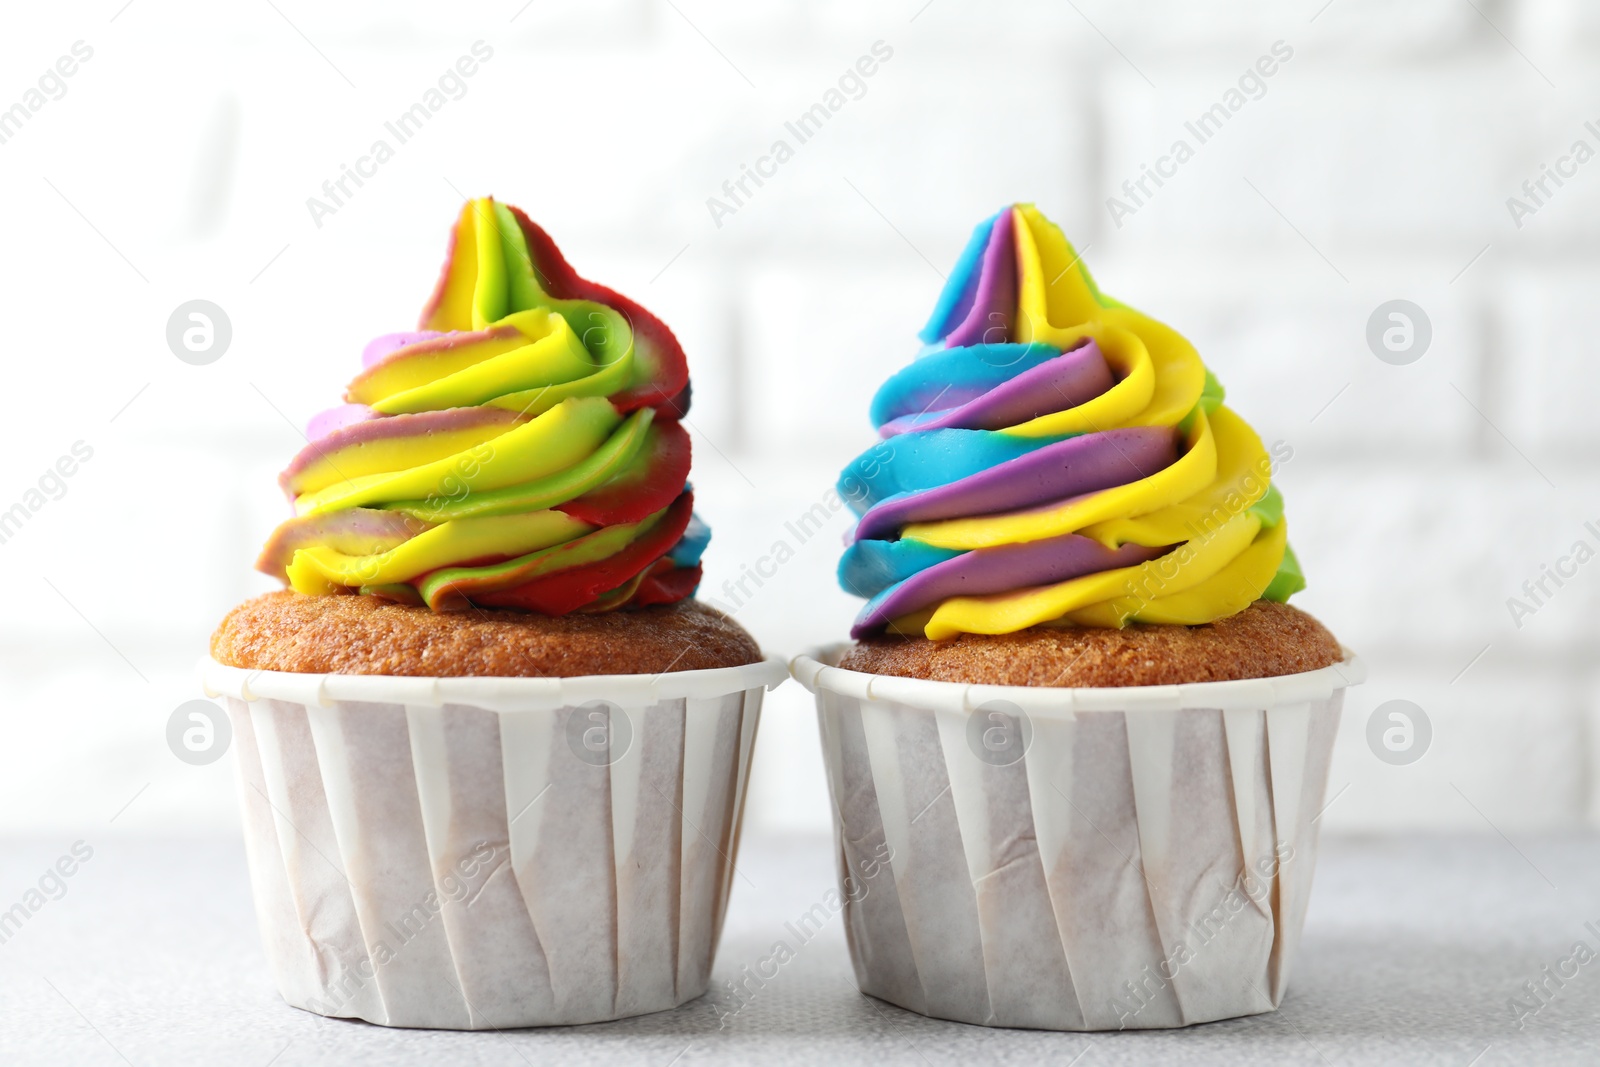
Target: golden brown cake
x,y
487,686
288,631
1059,498
1264,640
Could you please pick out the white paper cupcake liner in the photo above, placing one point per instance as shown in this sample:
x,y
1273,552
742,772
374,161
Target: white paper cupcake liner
x,y
473,853
1141,858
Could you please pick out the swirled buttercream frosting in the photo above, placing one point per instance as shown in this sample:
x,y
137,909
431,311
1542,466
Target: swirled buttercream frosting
x,y
1053,457
520,449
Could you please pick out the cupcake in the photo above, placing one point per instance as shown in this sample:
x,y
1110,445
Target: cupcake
x,y
1079,743
492,754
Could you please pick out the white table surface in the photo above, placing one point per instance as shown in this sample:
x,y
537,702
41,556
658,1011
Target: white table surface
x,y
1412,951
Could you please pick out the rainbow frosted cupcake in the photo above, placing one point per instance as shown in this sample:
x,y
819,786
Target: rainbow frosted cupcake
x,y
492,753
1077,697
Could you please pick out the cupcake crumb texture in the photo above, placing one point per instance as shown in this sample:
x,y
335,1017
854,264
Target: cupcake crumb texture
x,y
1263,641
288,631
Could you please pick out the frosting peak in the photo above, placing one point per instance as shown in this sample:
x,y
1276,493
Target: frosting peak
x,y
521,448
1054,457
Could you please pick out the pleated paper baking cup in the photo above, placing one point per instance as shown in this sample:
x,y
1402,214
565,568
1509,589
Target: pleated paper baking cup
x,y
1075,859
472,853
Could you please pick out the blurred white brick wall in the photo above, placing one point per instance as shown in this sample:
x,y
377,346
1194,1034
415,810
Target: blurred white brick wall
x,y
1376,165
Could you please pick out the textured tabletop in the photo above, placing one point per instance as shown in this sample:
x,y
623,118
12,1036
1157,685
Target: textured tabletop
x,y
1414,951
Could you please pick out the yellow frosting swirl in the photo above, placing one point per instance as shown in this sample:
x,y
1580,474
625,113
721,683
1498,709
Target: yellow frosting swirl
x,y
521,449
1211,511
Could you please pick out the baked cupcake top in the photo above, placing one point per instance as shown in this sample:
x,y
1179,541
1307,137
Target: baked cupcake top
x,y
521,449
284,631
1053,457
1265,640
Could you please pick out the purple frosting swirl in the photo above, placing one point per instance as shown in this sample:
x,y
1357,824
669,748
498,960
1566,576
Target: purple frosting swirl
x,y
1070,379
1002,569
1055,472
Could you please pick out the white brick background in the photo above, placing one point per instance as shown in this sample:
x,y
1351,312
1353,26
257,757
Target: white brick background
x,y
1375,166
